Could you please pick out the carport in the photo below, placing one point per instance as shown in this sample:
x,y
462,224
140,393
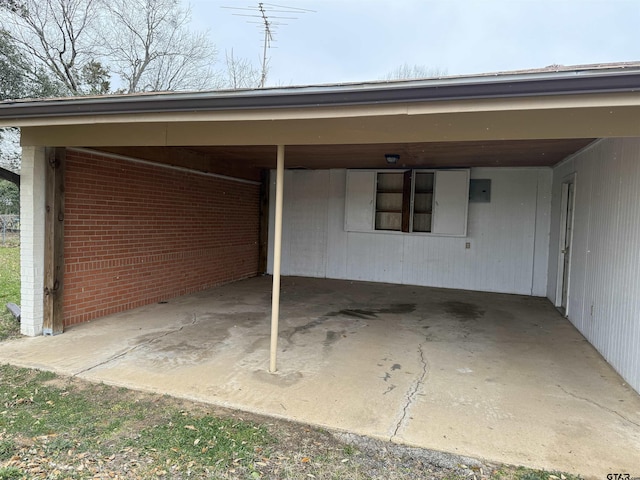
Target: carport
x,y
129,201
501,377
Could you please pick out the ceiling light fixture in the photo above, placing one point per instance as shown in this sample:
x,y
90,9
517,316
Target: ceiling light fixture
x,y
392,158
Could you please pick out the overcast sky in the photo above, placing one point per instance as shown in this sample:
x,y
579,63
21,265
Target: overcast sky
x,y
355,40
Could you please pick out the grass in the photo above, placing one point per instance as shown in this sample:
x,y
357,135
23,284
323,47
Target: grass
x,y
206,440
522,473
9,290
60,428
79,424
10,473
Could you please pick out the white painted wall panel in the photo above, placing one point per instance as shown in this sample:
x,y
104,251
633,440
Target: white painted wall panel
x,y
502,235
437,261
304,222
627,251
336,238
602,224
305,212
542,230
503,232
374,257
605,265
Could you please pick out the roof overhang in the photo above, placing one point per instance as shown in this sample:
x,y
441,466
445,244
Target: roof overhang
x,y
569,108
518,120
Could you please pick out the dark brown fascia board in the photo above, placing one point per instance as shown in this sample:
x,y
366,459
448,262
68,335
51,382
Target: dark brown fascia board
x,y
508,86
10,176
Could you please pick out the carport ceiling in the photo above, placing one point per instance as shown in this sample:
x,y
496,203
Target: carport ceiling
x,y
507,153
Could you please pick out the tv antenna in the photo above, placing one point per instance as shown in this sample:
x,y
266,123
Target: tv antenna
x,y
268,24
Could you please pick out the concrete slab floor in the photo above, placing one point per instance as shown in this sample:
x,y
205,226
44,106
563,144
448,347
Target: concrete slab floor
x,y
501,377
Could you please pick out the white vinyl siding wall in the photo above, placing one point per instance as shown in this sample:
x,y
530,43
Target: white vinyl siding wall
x,y
604,292
508,237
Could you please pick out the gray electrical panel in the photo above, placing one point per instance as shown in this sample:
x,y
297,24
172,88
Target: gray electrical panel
x,y
480,190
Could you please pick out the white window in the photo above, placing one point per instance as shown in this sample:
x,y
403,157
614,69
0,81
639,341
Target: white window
x,y
411,201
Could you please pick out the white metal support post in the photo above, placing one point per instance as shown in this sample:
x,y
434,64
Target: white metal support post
x,y
277,251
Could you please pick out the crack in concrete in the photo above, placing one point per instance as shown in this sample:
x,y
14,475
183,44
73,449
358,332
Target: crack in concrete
x,y
413,391
135,347
588,400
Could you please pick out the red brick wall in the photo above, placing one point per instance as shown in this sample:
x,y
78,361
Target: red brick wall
x,y
137,234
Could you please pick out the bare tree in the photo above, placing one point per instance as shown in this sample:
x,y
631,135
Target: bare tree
x,y
410,72
241,73
54,34
13,83
149,45
10,149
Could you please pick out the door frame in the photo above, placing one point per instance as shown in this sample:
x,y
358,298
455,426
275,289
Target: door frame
x,y
564,208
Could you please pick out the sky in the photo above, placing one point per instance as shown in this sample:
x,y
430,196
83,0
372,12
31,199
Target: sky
x,y
359,40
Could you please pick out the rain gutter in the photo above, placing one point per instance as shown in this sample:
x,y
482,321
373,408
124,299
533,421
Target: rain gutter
x,y
462,88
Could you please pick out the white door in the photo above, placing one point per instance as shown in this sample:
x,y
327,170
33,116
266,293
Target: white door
x,y
451,199
360,205
566,237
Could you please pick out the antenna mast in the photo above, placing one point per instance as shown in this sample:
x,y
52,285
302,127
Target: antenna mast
x,y
268,26
268,38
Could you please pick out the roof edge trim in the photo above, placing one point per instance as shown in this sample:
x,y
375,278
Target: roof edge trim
x,y
623,81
